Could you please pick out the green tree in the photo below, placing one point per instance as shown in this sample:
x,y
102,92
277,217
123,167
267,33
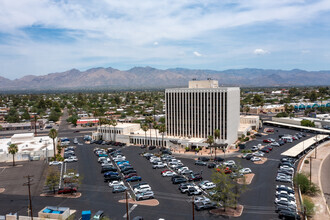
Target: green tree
x,y
162,120
26,115
155,127
216,136
246,109
149,121
53,135
224,190
53,179
307,123
13,149
162,130
13,116
145,128
210,141
114,124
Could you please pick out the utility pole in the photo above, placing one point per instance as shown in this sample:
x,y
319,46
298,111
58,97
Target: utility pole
x,y
127,217
28,183
310,170
193,208
316,147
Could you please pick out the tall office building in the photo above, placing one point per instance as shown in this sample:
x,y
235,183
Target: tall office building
x,y
197,111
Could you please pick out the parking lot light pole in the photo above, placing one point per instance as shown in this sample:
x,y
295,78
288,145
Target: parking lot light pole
x,y
127,217
28,183
193,208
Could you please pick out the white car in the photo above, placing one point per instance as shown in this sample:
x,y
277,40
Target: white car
x,y
55,163
258,154
159,165
116,183
169,173
141,189
207,185
285,193
201,199
182,169
229,163
255,159
286,168
277,200
70,159
245,171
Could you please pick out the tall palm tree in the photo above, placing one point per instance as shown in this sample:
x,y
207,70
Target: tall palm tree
x,y
145,128
114,124
53,135
216,136
13,149
162,130
210,141
149,121
155,127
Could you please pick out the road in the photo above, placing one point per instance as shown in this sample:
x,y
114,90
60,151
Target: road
x,y
325,177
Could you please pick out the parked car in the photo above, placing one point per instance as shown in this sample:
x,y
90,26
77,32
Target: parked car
x,y
200,163
115,182
195,177
267,141
158,165
205,159
211,165
204,205
142,188
207,185
194,190
130,175
229,163
255,159
134,179
55,163
66,190
169,173
119,188
286,214
98,215
258,154
265,149
179,180
144,195
70,159
245,170
111,178
152,147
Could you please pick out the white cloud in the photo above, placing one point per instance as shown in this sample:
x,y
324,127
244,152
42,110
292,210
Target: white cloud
x,y
156,43
260,51
197,54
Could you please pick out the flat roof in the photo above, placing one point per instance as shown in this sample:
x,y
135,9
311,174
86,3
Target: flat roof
x,y
298,126
300,147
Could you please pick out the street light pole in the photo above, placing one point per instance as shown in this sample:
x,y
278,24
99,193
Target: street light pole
x,y
28,183
193,208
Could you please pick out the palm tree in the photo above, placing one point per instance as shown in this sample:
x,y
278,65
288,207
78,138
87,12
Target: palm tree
x,y
13,149
53,134
217,136
155,127
145,128
210,141
162,130
149,120
114,124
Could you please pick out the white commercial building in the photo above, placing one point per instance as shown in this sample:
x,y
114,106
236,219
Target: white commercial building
x,y
29,147
192,114
197,111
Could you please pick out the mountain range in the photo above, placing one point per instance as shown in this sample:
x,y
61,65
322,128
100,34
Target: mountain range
x,y
152,78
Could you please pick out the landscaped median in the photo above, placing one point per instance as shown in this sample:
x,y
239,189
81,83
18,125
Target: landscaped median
x,y
248,179
149,202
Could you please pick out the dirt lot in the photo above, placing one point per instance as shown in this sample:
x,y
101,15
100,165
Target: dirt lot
x,y
12,178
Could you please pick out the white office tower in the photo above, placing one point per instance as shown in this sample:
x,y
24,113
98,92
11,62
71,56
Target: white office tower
x,y
197,111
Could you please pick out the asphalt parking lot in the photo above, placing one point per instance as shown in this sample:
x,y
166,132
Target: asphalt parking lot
x,y
258,201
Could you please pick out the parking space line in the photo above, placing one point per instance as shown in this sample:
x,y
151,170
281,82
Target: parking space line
x,y
130,210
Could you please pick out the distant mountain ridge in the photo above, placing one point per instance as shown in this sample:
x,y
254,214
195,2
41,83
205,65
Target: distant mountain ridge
x,y
149,77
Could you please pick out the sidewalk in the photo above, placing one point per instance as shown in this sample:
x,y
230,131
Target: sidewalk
x,y
205,153
322,211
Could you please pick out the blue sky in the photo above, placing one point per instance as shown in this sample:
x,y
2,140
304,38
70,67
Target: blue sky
x,y
41,37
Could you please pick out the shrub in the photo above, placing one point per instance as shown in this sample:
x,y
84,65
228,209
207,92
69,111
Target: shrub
x,y
309,205
246,139
187,148
248,133
305,186
306,161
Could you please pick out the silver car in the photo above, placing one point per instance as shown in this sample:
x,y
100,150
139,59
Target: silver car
x,y
145,195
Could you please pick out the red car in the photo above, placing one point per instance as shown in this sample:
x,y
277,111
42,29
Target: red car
x,y
269,148
130,175
226,170
66,190
267,141
164,171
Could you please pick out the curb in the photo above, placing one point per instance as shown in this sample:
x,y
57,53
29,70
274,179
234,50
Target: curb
x,y
320,183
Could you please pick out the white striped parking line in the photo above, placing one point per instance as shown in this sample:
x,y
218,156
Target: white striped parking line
x,y
130,210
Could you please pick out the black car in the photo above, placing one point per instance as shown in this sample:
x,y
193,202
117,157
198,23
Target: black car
x,y
258,135
285,208
281,135
125,168
288,215
179,180
176,176
218,159
249,156
152,147
111,178
201,163
281,142
211,165
205,205
129,171
205,159
166,152
108,168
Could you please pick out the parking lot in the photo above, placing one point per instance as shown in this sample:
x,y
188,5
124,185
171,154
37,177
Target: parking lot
x,y
258,201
